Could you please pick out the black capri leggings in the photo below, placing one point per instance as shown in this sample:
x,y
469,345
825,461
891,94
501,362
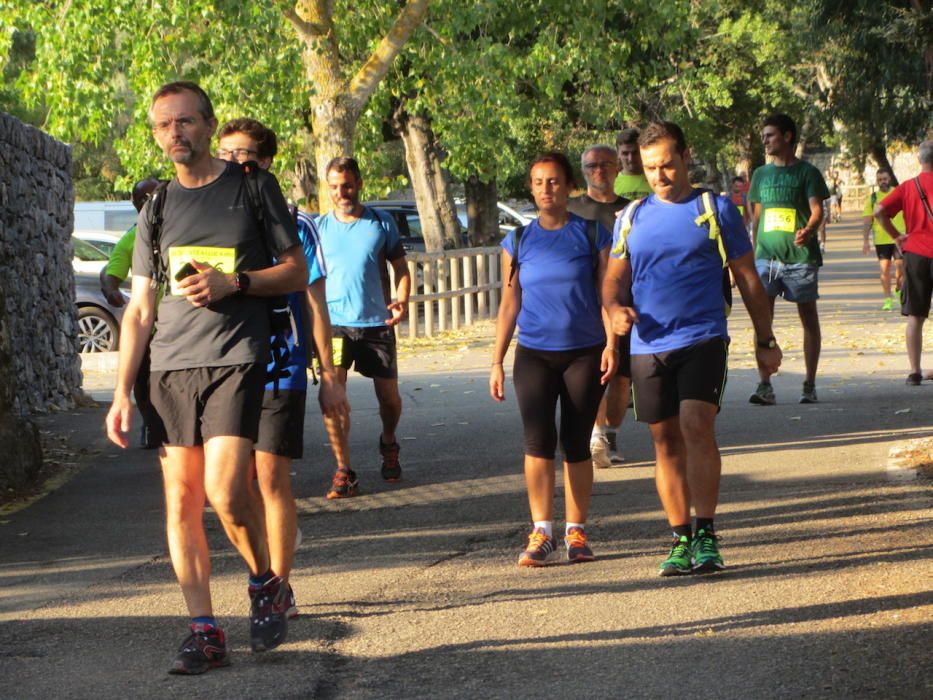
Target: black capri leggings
x,y
540,377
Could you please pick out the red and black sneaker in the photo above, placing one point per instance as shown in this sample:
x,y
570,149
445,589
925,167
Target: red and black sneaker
x,y
268,614
205,648
391,468
344,484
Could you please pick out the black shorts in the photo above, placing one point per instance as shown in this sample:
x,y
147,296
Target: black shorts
x,y
282,424
887,251
204,402
371,350
917,286
625,356
661,381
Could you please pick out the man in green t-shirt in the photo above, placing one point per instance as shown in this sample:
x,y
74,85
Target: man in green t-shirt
x,y
631,182
112,275
787,200
885,248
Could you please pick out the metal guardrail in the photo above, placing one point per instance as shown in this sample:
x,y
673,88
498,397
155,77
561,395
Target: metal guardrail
x,y
451,289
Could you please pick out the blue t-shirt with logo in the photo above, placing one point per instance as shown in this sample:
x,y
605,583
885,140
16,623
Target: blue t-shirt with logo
x,y
297,379
677,271
356,255
560,305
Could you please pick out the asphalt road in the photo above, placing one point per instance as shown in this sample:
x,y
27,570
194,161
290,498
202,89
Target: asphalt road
x,y
411,590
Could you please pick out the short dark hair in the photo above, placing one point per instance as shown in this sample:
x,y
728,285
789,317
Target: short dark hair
x,y
559,159
783,123
266,143
204,102
738,178
658,131
141,191
885,169
627,137
343,164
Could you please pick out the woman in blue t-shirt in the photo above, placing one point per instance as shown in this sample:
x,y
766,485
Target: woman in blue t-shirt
x,y
552,295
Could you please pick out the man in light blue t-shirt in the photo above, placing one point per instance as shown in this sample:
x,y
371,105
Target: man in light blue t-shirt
x,y
357,243
671,262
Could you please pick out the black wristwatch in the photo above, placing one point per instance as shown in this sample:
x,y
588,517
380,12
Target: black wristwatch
x,y
241,282
768,343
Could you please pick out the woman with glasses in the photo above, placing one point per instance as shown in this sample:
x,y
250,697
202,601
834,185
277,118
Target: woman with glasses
x,y
554,266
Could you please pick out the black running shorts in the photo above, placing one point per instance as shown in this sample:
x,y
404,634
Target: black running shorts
x,y
661,381
371,350
887,251
917,285
282,425
205,402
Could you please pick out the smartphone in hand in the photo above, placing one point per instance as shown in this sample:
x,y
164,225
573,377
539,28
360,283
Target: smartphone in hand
x,y
186,271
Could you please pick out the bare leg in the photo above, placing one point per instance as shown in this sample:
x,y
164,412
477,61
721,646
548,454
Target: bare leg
x,y
885,276
275,487
898,274
704,464
614,403
670,474
390,407
226,483
338,430
539,479
812,337
914,342
578,489
183,478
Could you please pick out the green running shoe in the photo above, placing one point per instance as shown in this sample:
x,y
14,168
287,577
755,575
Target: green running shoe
x,y
705,551
678,561
763,396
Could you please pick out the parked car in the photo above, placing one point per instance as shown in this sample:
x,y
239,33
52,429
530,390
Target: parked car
x,y
104,241
98,320
87,257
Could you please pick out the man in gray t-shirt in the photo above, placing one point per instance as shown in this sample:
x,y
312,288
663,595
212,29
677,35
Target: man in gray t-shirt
x,y
208,358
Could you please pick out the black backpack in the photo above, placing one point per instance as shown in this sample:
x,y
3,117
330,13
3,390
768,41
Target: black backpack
x,y
280,317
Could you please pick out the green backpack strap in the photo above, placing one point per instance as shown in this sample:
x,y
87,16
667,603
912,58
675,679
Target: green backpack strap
x,y
710,218
625,228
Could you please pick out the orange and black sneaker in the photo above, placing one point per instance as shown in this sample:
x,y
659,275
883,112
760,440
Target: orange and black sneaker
x,y
344,484
540,549
391,468
202,650
578,550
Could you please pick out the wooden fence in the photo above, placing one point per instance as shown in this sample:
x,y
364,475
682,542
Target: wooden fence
x,y
451,289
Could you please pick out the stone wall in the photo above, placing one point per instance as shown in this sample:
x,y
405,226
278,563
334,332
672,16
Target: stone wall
x,y
39,365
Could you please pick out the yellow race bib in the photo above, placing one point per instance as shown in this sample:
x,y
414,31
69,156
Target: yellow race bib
x,y
784,220
223,259
337,347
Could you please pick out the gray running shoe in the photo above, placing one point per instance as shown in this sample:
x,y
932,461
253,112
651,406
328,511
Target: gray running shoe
x,y
808,395
599,448
763,396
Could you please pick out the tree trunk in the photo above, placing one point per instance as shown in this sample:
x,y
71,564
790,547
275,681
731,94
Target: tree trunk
x,y
333,122
305,184
879,154
482,212
804,134
433,196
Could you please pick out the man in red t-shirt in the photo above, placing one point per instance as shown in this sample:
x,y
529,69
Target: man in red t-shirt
x,y
914,198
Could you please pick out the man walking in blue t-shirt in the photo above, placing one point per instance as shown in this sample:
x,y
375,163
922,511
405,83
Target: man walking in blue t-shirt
x,y
668,253
357,242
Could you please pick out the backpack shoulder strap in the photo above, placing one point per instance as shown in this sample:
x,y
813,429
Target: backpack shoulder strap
x,y
709,216
923,197
516,236
155,208
625,227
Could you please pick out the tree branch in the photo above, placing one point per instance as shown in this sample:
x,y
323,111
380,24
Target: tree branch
x,y
366,80
314,20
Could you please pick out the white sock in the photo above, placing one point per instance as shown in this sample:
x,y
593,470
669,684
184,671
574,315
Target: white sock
x,y
582,526
546,525
598,431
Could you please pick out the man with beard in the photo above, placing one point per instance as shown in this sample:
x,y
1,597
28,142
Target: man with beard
x,y
885,247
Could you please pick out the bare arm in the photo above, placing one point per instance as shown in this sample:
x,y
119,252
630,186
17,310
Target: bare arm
x,y
110,287
509,307
399,307
610,357
289,274
759,309
804,234
617,292
756,217
134,337
332,396
866,230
